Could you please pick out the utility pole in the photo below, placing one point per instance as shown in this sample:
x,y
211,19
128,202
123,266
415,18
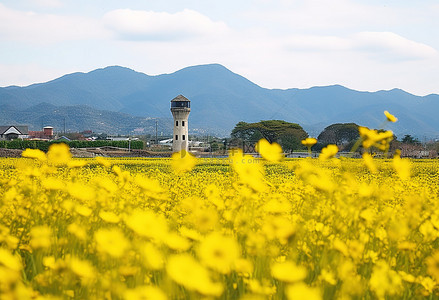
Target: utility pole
x,y
64,125
156,136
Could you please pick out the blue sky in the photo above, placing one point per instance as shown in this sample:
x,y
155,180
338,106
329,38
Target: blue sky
x,y
364,45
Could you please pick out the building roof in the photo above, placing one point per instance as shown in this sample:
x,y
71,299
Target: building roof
x,y
180,98
21,129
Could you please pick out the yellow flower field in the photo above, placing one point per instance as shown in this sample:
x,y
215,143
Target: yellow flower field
x,y
233,228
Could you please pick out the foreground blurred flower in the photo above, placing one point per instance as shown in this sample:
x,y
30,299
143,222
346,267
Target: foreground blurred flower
x,y
288,272
433,265
183,161
59,154
368,161
401,166
390,117
271,152
373,137
145,293
186,271
309,142
152,257
40,237
302,291
9,261
111,241
34,153
148,224
83,269
328,152
249,169
384,281
219,252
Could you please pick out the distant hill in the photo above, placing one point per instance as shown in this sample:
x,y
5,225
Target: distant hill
x,y
120,100
83,117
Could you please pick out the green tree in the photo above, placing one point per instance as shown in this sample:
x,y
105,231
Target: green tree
x,y
341,134
408,139
288,135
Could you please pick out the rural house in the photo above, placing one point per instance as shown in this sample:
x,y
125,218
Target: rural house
x,y
13,132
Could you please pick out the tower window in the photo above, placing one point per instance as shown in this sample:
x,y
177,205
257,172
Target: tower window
x,y
183,137
176,137
182,123
176,123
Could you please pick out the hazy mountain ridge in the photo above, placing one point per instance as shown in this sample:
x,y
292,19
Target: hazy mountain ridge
x,y
220,99
83,117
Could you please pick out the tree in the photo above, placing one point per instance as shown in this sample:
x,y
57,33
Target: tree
x,y
341,134
288,135
408,139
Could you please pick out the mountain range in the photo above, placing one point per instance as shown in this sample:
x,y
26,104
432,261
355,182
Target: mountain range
x,y
119,100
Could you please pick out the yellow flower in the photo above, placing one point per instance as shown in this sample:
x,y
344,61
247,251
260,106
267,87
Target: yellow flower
x,y
83,269
249,169
203,219
40,237
183,161
78,231
177,242
76,163
148,224
83,210
384,281
244,266
219,252
309,142
328,152
328,276
186,271
81,191
9,261
52,184
340,246
151,186
59,154
368,161
261,289
109,216
401,166
302,291
271,152
288,272
144,293
34,153
111,241
102,161
428,283
390,117
433,265
152,257
372,137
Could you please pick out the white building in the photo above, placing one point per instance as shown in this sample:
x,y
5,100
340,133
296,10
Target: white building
x,y
13,132
180,108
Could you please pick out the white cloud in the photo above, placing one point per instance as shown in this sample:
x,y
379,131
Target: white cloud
x,y
149,25
46,3
322,15
392,47
383,46
28,26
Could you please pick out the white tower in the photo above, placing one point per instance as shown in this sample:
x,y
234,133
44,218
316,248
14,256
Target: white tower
x,y
180,108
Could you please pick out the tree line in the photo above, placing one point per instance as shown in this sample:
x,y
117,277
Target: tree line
x,y
44,145
289,136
